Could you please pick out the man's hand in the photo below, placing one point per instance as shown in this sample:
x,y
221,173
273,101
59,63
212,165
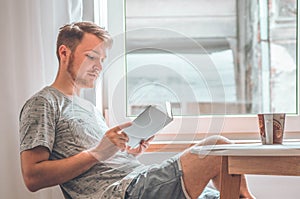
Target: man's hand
x,y
113,141
141,148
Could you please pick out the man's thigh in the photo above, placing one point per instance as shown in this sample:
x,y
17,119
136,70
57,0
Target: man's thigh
x,y
160,181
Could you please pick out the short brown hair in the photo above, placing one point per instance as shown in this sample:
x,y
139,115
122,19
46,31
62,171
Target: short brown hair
x,y
71,35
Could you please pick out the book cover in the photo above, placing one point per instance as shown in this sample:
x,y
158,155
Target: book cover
x,y
148,123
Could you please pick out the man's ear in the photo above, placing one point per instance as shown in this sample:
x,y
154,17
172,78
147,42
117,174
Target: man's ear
x,y
64,53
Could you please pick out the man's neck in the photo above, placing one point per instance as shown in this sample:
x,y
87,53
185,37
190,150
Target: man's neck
x,y
66,85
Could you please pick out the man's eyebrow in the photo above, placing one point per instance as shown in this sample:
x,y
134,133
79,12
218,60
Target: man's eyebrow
x,y
95,52
91,50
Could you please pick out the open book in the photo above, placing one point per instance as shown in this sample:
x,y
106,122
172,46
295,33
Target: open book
x,y
148,123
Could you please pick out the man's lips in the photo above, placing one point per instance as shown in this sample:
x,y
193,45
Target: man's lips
x,y
94,73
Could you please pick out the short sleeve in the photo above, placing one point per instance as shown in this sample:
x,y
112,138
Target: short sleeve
x,y
37,124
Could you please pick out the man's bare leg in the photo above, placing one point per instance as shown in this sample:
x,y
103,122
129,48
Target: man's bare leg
x,y
198,171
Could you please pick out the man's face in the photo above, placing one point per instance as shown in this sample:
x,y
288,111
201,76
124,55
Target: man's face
x,y
85,63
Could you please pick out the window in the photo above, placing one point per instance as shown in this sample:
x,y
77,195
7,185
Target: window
x,y
230,72
213,57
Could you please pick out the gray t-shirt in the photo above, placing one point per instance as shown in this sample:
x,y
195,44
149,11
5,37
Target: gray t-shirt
x,y
67,126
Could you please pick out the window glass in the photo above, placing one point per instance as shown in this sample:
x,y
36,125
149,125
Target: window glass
x,y
211,57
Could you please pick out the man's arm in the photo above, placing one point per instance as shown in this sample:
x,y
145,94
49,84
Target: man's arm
x,y
40,172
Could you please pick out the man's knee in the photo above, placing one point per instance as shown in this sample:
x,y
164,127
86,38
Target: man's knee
x,y
215,139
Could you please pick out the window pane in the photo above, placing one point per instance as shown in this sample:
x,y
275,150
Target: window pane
x,y
283,54
211,57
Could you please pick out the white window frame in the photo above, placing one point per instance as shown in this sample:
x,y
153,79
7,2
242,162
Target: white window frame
x,y
182,128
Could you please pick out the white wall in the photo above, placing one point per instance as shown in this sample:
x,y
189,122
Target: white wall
x,y
27,63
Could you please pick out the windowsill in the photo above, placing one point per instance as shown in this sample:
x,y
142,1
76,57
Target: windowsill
x,y
240,138
178,146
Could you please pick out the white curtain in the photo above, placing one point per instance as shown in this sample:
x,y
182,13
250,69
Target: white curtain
x,y
28,63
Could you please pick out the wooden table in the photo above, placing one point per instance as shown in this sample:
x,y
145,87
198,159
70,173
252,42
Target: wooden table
x,y
252,159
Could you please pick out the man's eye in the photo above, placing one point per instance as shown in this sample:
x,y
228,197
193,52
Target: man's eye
x,y
90,57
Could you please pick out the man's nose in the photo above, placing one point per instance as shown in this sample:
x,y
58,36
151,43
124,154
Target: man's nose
x,y
99,66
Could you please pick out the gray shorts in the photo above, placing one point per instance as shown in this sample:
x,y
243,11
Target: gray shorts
x,y
160,181
163,181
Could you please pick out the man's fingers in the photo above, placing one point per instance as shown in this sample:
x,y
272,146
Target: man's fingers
x,y
125,125
119,139
150,138
123,136
121,126
117,136
122,145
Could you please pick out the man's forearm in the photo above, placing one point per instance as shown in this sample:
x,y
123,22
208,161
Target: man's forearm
x,y
53,172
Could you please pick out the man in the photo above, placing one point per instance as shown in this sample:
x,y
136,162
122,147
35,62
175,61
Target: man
x,y
65,141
